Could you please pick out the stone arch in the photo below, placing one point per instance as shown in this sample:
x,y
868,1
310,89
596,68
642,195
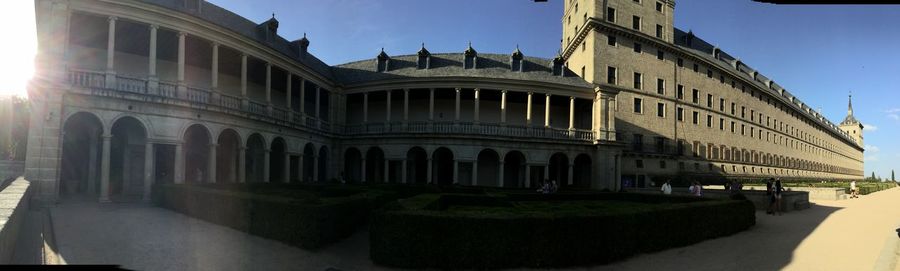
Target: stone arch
x,y
352,165
559,168
227,155
309,163
417,165
442,166
197,141
582,171
127,154
488,168
375,165
255,158
81,154
514,167
277,160
146,124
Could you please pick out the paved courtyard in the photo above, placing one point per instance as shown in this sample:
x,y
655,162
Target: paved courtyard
x,y
857,234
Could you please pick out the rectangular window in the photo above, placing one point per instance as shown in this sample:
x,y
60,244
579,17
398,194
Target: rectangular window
x,y
680,62
696,67
695,96
660,144
721,124
680,92
638,84
679,114
708,73
582,71
709,100
732,109
660,54
696,117
752,116
732,127
659,7
611,75
722,104
721,79
611,15
743,112
636,23
660,86
742,129
637,47
659,31
638,106
661,110
709,121
611,40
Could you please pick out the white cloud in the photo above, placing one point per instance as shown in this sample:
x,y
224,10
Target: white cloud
x,y
869,127
894,116
873,158
893,110
871,148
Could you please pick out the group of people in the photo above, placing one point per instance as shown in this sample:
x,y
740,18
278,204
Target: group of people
x,y
548,187
773,191
695,189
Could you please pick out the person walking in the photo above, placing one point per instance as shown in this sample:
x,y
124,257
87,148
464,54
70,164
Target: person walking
x,y
854,191
777,189
666,188
769,195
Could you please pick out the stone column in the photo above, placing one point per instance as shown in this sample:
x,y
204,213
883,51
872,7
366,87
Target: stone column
x,y
211,164
430,107
503,107
126,168
151,59
611,113
365,107
104,168
286,169
182,88
300,166
403,173
148,170
547,111
179,163
387,164
269,88
111,53
477,102
455,171
456,116
266,164
215,67
405,106
303,101
571,170
242,165
362,165
290,109
244,101
92,164
387,111
500,174
475,172
315,168
604,118
571,113
318,119
527,176
429,171
528,109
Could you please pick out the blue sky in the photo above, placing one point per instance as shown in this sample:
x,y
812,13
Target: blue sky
x,y
818,52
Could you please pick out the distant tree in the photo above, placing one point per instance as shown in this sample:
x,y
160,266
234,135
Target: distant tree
x,y
873,175
892,176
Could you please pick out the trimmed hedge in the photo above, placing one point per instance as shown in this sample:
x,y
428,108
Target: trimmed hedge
x,y
309,219
416,233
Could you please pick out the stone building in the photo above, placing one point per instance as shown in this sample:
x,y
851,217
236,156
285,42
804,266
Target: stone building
x,y
132,92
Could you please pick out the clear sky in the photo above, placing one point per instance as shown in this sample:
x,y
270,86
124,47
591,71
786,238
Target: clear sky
x,y
819,53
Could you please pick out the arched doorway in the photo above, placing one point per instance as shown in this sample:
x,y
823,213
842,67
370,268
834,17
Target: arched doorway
x,y
323,164
442,163
255,158
416,165
514,168
488,168
559,169
582,171
309,162
352,165
196,154
276,161
375,165
81,154
128,146
227,162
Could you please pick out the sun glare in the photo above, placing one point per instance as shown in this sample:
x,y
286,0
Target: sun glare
x,y
18,24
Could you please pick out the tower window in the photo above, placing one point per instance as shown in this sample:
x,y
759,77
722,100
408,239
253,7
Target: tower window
x,y
659,31
660,54
679,114
680,92
661,110
680,62
659,7
638,82
638,106
695,96
611,15
637,47
709,100
660,86
611,75
611,40
696,67
696,117
636,23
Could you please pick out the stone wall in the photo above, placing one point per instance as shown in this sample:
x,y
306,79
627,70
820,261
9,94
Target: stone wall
x,y
790,201
13,208
11,169
815,193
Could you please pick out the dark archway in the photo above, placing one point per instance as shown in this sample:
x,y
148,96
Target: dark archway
x,y
308,163
196,154
81,154
488,168
126,173
559,169
227,152
514,168
416,166
375,165
352,165
323,164
582,171
255,158
442,163
276,161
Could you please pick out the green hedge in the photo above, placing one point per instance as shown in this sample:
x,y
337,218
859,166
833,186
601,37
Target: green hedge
x,y
415,233
309,219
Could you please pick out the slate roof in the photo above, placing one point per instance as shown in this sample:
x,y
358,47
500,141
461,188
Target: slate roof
x,y
451,65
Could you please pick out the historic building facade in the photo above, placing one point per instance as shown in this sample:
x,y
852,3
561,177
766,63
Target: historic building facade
x,y
686,107
132,92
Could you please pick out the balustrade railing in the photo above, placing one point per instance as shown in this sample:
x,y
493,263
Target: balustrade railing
x,y
279,114
87,79
258,108
230,102
130,84
197,95
168,90
467,128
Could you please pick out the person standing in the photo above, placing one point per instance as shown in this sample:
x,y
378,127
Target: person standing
x,y
666,188
769,195
854,191
777,194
